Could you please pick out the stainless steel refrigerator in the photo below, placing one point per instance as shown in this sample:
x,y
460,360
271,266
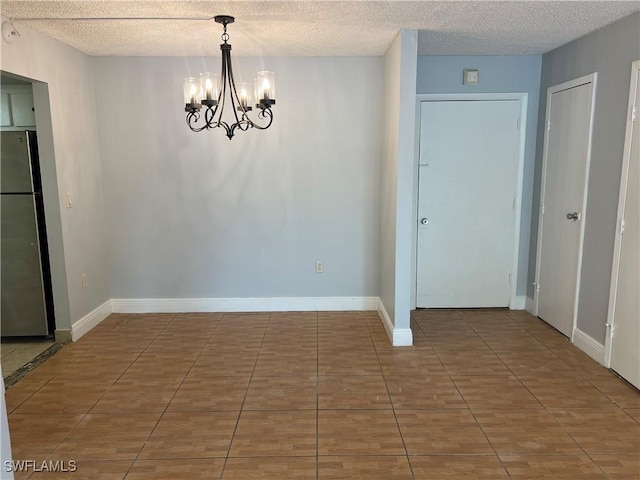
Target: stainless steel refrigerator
x,y
26,298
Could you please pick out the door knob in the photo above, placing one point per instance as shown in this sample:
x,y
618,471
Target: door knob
x,y
573,216
424,221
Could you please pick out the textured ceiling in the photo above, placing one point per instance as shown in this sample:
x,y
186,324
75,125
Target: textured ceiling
x,y
310,28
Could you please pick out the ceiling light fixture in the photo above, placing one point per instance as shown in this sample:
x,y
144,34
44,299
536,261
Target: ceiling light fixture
x,y
211,91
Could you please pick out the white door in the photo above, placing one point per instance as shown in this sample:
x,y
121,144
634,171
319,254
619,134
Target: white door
x,y
469,154
624,311
565,168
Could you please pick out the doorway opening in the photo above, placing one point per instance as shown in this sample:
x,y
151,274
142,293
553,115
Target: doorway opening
x,y
28,310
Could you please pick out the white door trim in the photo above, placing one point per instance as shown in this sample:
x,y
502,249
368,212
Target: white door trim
x,y
626,159
587,79
514,301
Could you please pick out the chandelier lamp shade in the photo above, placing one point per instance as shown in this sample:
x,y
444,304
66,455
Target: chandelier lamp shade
x,y
206,97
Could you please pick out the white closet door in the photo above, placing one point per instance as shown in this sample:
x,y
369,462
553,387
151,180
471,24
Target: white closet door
x,y
625,314
565,170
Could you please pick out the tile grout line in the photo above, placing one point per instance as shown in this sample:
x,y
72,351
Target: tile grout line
x,y
393,409
13,410
509,368
624,410
235,428
165,408
471,411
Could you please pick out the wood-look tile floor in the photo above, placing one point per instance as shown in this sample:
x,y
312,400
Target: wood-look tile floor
x,y
483,394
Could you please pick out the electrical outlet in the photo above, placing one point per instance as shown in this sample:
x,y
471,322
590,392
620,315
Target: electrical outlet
x,y
85,280
319,267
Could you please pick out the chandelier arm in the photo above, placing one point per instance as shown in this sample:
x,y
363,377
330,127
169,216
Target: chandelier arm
x,y
209,115
192,119
223,90
245,123
228,128
219,105
264,114
226,60
227,83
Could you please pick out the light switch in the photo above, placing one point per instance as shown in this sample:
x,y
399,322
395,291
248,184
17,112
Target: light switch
x,y
67,199
470,77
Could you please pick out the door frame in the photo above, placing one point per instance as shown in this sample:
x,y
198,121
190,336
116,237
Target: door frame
x,y
53,215
624,178
592,79
515,303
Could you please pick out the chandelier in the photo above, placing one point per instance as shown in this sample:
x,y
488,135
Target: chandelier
x,y
205,98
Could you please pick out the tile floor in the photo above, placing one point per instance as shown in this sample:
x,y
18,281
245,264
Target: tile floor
x,y
482,395
17,353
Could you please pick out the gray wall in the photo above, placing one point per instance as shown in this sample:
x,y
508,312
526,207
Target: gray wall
x,y
195,215
610,52
398,179
389,183
70,160
498,74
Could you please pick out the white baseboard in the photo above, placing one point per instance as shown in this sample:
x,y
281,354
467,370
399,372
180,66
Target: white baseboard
x,y
90,320
518,303
589,345
530,305
386,319
400,337
266,304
